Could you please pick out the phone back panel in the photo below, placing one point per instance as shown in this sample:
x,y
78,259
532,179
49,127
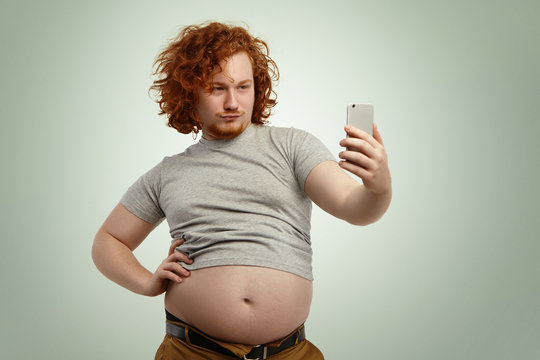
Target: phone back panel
x,y
361,116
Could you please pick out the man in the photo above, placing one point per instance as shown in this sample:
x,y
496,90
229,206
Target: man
x,y
238,278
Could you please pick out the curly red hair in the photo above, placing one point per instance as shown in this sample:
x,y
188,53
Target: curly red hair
x,y
187,62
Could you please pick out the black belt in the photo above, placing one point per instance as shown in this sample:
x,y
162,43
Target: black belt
x,y
258,352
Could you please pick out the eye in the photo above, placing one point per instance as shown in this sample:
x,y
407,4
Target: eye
x,y
218,88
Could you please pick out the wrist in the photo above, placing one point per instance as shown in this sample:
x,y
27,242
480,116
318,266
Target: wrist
x,y
369,206
144,281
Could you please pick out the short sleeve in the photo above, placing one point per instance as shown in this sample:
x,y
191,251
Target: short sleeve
x,y
142,198
307,152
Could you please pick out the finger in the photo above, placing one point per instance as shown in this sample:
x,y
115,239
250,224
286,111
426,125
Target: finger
x,y
355,132
357,158
377,135
179,256
169,275
175,244
176,269
360,134
358,145
354,169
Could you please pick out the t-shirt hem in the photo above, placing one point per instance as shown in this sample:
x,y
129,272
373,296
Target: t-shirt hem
x,y
206,263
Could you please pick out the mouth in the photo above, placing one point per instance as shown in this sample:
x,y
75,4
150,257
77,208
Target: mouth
x,y
230,116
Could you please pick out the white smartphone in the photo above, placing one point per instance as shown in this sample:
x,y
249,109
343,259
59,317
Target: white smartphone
x,y
361,117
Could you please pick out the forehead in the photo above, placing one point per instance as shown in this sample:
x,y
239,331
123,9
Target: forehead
x,y
235,68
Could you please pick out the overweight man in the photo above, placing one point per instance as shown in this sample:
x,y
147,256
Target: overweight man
x,y
238,278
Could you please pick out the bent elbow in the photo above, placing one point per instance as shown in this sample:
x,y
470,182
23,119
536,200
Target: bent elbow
x,y
365,218
363,221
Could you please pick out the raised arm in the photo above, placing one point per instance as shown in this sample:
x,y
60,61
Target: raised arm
x,y
112,252
337,193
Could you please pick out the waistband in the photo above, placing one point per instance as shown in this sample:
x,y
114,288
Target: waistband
x,y
188,333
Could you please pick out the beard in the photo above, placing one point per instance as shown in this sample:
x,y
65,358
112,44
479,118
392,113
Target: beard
x,y
227,130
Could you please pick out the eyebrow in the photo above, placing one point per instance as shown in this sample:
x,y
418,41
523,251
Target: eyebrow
x,y
243,82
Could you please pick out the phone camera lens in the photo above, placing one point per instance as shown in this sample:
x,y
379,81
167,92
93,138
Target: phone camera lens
x,y
353,105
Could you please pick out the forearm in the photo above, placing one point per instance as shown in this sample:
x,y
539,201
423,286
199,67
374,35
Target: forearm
x,y
117,262
364,207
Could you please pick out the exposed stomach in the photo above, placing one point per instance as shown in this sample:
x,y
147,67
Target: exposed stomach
x,y
241,304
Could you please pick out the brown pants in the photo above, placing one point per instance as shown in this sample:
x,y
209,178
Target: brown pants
x,y
175,349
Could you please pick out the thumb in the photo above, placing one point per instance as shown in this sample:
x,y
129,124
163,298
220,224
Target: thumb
x,y
377,135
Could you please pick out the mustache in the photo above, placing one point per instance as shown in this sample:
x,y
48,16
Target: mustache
x,y
231,113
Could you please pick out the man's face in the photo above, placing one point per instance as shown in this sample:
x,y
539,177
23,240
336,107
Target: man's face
x,y
225,112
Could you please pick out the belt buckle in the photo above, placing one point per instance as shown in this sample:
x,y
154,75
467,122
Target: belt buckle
x,y
265,350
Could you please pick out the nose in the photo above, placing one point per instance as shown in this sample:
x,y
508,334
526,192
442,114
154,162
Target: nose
x,y
231,102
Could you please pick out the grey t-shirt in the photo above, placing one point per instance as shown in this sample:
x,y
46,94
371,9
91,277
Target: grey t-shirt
x,y
236,202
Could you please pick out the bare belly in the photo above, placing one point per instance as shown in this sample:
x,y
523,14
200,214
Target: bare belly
x,y
241,304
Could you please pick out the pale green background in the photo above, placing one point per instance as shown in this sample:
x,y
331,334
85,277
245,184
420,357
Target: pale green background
x,y
451,271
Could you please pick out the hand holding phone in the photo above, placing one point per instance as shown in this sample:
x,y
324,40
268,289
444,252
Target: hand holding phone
x,y
365,156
